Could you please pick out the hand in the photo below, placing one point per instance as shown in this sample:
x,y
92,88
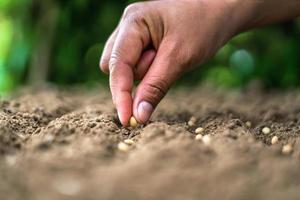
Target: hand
x,y
157,41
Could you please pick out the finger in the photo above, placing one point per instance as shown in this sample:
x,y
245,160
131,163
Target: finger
x,y
128,47
162,73
104,61
144,63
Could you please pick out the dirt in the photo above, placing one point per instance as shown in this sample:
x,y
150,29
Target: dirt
x,y
63,144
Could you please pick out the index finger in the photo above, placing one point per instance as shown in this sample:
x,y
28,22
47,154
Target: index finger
x,y
128,47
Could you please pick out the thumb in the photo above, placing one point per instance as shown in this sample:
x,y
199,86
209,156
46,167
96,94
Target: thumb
x,y
156,83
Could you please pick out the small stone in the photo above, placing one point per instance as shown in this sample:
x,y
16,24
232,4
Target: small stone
x,y
192,121
287,149
274,140
129,142
248,124
266,130
133,123
198,137
206,140
199,130
123,147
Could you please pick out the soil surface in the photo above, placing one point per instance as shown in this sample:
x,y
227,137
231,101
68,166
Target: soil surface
x,y
68,144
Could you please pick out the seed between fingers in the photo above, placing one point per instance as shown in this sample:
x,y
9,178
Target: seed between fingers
x,y
133,123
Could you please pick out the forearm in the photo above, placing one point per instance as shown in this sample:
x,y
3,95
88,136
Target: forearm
x,y
254,13
272,11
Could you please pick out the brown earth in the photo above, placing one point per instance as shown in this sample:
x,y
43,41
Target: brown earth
x,y
58,144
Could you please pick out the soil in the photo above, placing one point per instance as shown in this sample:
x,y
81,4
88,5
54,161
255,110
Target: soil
x,y
63,144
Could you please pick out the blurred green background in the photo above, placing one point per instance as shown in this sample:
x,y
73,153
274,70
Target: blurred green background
x,y
60,41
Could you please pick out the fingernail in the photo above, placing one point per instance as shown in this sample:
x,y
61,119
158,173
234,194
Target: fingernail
x,y
145,110
120,119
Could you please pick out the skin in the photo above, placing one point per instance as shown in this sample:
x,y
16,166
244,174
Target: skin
x,y
157,41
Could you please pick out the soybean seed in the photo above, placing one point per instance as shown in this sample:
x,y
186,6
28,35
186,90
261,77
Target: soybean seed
x,y
199,130
266,130
129,142
198,137
123,147
133,123
274,140
248,124
287,149
192,121
206,140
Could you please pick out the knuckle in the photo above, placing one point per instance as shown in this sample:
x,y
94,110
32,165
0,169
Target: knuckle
x,y
134,13
114,61
117,59
113,86
155,89
131,10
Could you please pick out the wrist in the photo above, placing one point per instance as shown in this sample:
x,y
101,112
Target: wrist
x,y
255,13
234,16
242,14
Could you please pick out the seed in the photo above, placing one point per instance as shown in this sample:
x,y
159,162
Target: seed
x,y
133,123
248,124
11,160
287,149
129,142
266,130
199,130
198,137
206,140
123,147
274,140
192,121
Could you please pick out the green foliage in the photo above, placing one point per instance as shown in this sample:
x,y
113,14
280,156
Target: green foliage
x,y
81,27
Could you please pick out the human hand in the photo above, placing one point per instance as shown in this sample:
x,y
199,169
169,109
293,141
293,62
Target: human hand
x,y
157,41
